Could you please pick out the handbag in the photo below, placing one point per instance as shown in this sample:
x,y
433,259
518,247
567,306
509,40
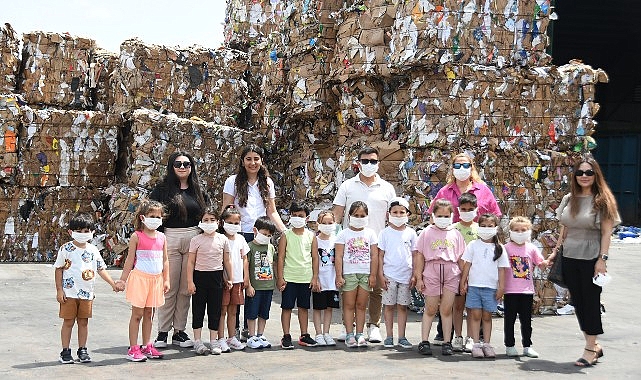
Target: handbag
x,y
556,271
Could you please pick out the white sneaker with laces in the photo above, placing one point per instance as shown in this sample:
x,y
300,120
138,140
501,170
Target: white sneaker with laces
x,y
329,340
254,342
469,344
235,344
360,341
200,348
457,344
530,353
565,310
320,340
222,342
215,347
265,342
343,335
511,352
374,334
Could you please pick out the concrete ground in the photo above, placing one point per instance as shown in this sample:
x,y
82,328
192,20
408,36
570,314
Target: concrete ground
x,y
30,340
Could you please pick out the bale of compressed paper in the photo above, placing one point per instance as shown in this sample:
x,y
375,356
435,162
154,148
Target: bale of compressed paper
x,y
9,59
102,64
10,123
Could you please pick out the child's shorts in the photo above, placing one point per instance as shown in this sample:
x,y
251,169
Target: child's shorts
x,y
325,299
233,296
354,280
397,294
76,308
440,275
258,305
296,294
144,289
481,298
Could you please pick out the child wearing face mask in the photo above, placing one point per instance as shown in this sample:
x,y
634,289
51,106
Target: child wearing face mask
x,y
519,285
327,299
238,277
356,269
146,272
208,258
76,266
395,246
483,281
437,271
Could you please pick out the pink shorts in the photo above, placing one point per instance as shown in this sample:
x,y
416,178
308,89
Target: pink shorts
x,y
144,289
439,275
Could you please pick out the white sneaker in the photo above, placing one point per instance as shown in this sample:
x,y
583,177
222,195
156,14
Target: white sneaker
x,y
235,344
329,340
254,342
222,342
530,353
200,348
469,344
511,351
374,334
215,347
565,310
457,344
361,341
265,342
320,340
343,335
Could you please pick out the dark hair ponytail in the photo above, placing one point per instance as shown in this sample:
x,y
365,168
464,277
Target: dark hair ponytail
x,y
498,248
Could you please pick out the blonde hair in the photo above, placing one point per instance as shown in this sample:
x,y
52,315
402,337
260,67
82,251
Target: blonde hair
x,y
474,176
520,220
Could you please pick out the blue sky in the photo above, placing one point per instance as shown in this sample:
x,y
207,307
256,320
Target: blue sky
x,y
110,22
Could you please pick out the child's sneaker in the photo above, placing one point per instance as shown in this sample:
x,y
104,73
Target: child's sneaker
x,y
446,349
511,351
65,356
388,342
181,339
199,348
403,342
320,340
161,340
286,342
83,355
135,355
224,348
265,342
343,335
150,351
215,348
254,342
374,334
306,340
329,340
361,341
235,344
457,344
488,351
529,352
424,348
244,335
350,341
469,344
477,351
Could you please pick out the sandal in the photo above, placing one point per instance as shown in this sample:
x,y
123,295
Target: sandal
x,y
599,351
582,362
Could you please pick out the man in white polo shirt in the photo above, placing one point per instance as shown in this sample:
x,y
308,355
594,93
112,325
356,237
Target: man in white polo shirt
x,y
370,188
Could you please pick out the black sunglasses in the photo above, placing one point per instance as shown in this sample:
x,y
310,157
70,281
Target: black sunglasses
x,y
465,165
366,161
184,164
580,173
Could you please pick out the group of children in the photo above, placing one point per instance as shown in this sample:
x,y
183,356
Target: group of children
x,y
325,266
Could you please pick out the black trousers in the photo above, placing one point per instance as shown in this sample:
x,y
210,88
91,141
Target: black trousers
x,y
209,296
521,305
586,296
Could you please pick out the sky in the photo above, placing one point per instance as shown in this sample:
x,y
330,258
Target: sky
x,y
110,22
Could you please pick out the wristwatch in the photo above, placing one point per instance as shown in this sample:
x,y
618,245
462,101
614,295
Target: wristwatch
x,y
604,256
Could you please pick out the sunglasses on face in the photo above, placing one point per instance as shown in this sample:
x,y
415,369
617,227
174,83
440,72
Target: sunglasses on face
x,y
184,164
366,161
465,165
580,173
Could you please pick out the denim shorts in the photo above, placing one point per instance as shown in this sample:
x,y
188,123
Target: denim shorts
x,y
481,298
258,305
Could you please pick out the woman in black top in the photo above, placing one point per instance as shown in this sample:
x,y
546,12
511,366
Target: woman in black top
x,y
184,201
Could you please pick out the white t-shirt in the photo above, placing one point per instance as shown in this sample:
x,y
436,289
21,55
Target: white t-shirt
x,y
255,207
326,268
238,248
484,272
377,198
357,253
398,247
80,269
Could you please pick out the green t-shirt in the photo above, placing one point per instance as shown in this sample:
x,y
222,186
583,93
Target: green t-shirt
x,y
261,266
469,233
298,257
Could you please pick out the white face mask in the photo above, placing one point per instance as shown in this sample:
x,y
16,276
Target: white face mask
x,y
208,227
520,237
327,229
358,222
261,239
442,222
467,216
81,237
486,233
297,221
369,170
231,229
462,174
152,223
398,221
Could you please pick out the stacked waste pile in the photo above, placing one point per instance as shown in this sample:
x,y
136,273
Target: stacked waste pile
x,y
9,58
102,64
10,119
55,70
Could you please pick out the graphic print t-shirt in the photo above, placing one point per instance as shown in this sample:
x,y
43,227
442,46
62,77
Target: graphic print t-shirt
x,y
523,259
80,269
326,267
261,266
357,254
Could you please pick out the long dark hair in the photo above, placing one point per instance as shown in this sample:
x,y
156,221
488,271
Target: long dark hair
x,y
604,200
498,248
171,183
242,178
227,212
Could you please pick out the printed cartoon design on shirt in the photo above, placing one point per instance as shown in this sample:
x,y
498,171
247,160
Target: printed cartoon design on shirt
x,y
442,245
83,294
67,264
521,267
87,256
263,266
88,274
69,247
326,257
68,283
357,251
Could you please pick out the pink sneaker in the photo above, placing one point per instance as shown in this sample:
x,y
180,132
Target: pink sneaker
x,y
151,352
135,355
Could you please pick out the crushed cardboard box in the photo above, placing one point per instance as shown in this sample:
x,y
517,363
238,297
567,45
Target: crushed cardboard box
x,y
9,58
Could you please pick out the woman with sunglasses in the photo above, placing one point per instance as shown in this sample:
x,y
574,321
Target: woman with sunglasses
x,y
180,193
587,216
